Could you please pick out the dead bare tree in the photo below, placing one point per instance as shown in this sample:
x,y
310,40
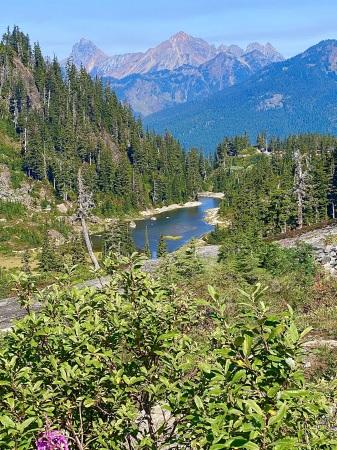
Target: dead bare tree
x,y
85,204
301,184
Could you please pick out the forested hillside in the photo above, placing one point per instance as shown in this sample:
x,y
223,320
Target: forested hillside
x,y
282,184
66,122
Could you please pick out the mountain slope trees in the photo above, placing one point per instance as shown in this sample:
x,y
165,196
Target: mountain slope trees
x,y
65,120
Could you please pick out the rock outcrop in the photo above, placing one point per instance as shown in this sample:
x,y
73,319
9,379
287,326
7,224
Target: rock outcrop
x,y
8,193
324,246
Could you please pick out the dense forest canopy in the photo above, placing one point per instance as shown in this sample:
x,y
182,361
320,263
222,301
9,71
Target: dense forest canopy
x,y
279,184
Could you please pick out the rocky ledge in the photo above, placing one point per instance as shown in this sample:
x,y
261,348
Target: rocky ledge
x,y
324,246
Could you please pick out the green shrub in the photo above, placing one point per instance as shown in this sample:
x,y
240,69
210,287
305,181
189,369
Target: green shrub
x,y
12,209
6,283
132,366
17,178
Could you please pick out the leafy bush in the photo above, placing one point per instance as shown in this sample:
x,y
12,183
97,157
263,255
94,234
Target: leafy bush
x,y
245,253
6,283
132,366
297,259
181,265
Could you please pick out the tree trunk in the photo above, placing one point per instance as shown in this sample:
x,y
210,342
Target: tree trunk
x,y
299,210
300,186
84,203
87,241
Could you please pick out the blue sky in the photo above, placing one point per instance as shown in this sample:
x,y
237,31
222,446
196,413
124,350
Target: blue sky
x,y
118,27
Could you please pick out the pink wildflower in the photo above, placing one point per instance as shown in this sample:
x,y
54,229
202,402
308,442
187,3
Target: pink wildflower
x,y
52,440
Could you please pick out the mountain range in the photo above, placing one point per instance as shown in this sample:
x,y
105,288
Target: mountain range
x,y
290,97
201,93
178,70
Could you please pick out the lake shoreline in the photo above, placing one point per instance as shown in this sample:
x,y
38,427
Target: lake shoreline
x,y
150,212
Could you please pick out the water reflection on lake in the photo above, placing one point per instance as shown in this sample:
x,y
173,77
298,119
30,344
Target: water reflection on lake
x,y
184,223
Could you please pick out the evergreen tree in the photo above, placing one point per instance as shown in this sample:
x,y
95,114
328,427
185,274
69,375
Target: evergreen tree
x,y
162,246
193,177
25,261
118,240
77,251
48,259
147,250
187,262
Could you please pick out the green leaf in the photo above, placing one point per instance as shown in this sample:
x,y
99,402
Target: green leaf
x,y
252,404
53,361
166,336
293,333
26,423
7,422
279,415
273,390
63,373
198,402
238,442
238,376
284,444
245,294
212,292
251,446
205,367
88,402
91,348
305,332
247,345
11,402
292,393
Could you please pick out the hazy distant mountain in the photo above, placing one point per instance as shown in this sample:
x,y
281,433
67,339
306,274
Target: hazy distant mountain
x,y
180,49
180,69
154,91
267,50
297,95
86,54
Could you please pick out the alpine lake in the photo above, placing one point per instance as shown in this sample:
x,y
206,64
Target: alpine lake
x,y
178,226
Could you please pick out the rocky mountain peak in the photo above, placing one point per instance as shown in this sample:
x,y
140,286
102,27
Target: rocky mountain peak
x,y
232,49
267,50
87,54
181,36
181,49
